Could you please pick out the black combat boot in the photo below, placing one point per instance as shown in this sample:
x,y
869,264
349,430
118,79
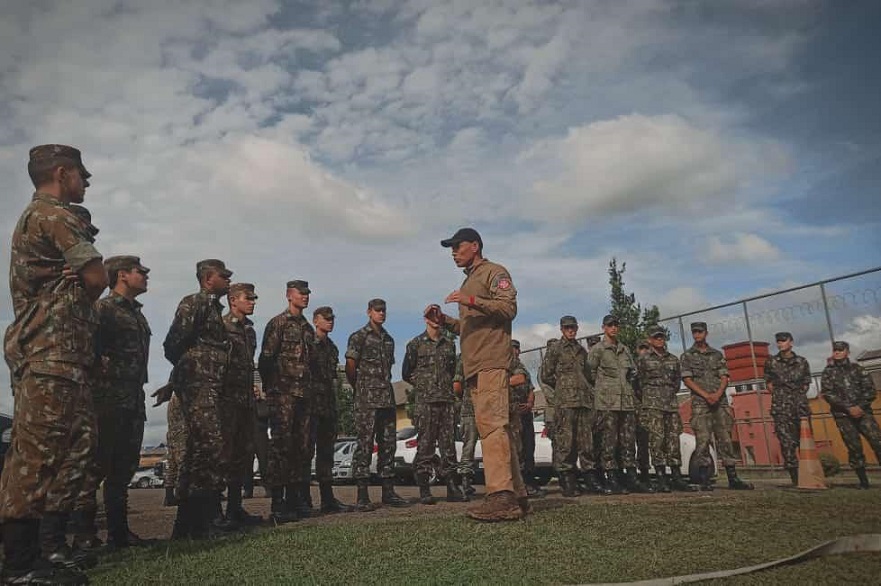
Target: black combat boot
x,y
634,484
864,478
182,528
678,483
303,503
567,485
645,477
663,483
467,487
22,563
612,484
704,481
454,493
363,504
793,475
592,483
235,510
85,532
170,499
329,503
278,512
53,543
735,483
425,496
389,496
219,521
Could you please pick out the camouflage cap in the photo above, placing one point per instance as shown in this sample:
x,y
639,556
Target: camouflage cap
x,y
655,330
300,285
611,320
643,345
515,344
125,262
60,153
376,303
568,320
213,264
839,345
324,311
782,336
700,326
237,289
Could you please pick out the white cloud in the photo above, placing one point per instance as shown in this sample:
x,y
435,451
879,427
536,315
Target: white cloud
x,y
739,248
681,300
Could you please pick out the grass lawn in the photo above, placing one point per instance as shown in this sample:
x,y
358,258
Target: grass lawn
x,y
564,542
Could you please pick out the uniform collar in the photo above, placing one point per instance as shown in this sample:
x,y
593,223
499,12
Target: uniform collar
x,y
50,199
121,300
474,266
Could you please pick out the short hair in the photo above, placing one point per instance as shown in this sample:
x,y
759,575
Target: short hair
x,y
41,171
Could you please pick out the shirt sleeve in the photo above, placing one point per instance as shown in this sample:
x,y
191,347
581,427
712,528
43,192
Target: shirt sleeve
x,y
269,351
502,302
547,373
182,333
409,365
685,366
353,350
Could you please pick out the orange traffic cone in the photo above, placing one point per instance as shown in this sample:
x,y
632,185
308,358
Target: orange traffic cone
x,y
810,470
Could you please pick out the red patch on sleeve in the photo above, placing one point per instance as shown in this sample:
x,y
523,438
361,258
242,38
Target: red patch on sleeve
x,y
504,284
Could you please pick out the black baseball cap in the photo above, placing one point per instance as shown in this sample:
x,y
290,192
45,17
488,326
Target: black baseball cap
x,y
462,235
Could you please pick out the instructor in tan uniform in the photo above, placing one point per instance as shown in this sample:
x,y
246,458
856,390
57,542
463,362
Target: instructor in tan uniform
x,y
487,305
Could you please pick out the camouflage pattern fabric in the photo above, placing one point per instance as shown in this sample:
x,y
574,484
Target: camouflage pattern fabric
x,y
467,423
198,347
374,425
611,370
707,368
663,429
790,379
565,368
436,430
659,378
573,438
844,385
467,409
519,393
430,366
53,444
290,428
176,440
237,400
617,431
325,380
712,423
374,355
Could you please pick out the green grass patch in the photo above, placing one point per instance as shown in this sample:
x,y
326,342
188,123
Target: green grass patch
x,y
565,542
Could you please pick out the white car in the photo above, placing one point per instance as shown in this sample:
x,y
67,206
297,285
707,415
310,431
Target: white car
x,y
146,478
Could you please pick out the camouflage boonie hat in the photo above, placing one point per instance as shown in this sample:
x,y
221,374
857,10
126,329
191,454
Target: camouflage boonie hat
x,y
515,344
237,289
376,304
700,326
839,346
124,262
213,264
58,153
568,320
324,311
655,330
782,336
300,285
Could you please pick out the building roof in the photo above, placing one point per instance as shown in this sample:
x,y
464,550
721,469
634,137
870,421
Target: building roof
x,y
869,355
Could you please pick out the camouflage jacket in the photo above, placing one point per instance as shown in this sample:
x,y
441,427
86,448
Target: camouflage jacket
x,y
196,343
790,379
565,368
707,369
430,366
846,384
55,321
325,377
520,393
285,358
467,409
659,379
123,347
611,370
374,355
239,386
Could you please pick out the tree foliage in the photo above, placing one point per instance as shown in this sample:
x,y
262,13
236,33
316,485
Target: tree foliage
x,y
634,320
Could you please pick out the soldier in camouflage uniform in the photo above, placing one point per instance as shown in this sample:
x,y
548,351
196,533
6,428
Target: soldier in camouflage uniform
x,y
850,394
49,348
198,348
237,400
613,373
370,355
468,429
325,380
565,369
119,375
285,367
522,403
176,444
642,434
430,365
788,377
705,374
659,378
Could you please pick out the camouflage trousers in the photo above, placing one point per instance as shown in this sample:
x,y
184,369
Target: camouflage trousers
x,y
525,441
261,450
712,423
617,431
787,428
469,442
53,440
237,427
322,442
120,434
202,466
573,439
642,443
437,431
175,440
374,425
851,429
290,429
663,429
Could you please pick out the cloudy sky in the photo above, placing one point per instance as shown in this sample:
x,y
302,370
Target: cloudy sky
x,y
722,149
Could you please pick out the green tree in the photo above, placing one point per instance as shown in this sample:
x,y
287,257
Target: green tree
x,y
634,320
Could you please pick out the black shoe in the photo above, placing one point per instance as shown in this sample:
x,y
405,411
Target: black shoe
x,y
329,503
679,484
704,479
43,573
864,478
389,496
278,512
535,492
567,485
663,483
735,483
182,522
303,501
454,493
793,475
467,488
634,484
363,504
425,496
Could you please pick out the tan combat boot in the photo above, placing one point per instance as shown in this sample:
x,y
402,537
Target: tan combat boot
x,y
498,506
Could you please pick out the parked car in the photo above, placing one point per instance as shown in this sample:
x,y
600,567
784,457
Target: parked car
x,y
342,461
147,477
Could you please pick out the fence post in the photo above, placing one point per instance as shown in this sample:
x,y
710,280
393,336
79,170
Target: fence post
x,y
752,350
826,311
682,334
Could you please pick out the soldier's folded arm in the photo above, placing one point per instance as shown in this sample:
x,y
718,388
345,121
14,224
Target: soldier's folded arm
x,y
182,333
827,390
409,365
546,374
269,350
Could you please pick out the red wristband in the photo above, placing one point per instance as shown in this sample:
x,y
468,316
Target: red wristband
x,y
471,301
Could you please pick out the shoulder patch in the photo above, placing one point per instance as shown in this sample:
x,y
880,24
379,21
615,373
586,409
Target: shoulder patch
x,y
504,283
